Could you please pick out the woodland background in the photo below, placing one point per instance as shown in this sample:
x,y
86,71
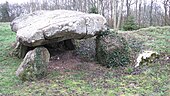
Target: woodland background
x,y
119,13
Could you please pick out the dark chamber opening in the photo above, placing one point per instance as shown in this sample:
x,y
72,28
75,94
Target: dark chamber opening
x,y
60,47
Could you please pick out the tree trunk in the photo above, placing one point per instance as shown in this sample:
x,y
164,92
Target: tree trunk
x,y
139,18
115,14
111,15
169,14
150,13
144,12
85,5
165,11
120,14
169,10
127,8
136,9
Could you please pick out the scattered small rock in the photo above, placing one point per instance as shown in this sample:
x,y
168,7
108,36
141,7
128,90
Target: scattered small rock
x,y
146,57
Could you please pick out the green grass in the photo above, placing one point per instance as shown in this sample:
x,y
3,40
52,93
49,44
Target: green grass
x,y
157,38
8,65
151,80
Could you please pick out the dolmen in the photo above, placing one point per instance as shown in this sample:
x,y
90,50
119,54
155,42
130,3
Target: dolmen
x,y
40,28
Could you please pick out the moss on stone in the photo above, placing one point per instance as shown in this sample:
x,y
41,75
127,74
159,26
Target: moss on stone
x,y
34,65
40,66
111,49
28,74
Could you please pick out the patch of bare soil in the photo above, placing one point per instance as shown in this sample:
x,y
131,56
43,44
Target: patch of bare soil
x,y
67,60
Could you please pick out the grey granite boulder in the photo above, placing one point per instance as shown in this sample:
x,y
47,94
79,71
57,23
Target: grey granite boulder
x,y
34,65
42,27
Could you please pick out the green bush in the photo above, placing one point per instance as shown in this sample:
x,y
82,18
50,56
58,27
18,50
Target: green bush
x,y
130,24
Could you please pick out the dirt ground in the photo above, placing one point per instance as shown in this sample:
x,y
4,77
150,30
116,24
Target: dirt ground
x,y
69,61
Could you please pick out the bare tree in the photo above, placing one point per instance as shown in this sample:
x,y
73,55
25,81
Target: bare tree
x,y
150,13
120,13
169,9
143,18
166,5
115,4
136,9
139,17
128,7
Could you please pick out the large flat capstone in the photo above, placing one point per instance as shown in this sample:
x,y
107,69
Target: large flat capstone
x,y
43,27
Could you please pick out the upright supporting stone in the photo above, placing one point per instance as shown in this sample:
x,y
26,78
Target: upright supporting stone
x,y
20,50
34,65
112,50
